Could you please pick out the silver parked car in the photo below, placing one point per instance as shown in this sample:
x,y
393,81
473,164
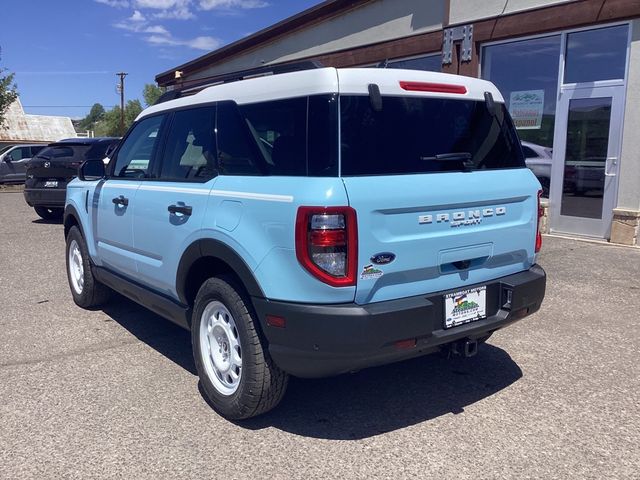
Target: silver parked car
x,y
13,162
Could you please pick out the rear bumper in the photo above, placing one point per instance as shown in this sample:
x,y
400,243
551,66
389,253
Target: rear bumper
x,y
325,340
45,197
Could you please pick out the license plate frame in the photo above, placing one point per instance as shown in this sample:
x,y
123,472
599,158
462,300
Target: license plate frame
x,y
51,184
465,306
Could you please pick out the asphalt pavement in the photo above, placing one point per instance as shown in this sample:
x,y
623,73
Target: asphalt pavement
x,y
113,393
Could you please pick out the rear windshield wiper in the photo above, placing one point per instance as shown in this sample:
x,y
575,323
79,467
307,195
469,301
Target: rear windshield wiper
x,y
464,157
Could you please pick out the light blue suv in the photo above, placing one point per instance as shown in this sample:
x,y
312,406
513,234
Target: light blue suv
x,y
314,223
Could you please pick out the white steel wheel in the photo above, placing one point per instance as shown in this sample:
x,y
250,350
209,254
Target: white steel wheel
x,y
76,267
220,348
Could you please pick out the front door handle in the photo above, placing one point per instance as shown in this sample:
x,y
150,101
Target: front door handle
x,y
121,200
183,209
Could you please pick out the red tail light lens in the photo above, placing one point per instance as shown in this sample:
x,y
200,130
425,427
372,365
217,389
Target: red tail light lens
x,y
540,214
327,243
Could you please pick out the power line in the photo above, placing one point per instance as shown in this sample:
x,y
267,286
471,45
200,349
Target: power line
x,y
65,106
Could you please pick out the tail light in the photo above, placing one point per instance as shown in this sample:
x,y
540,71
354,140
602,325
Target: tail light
x,y
538,233
327,243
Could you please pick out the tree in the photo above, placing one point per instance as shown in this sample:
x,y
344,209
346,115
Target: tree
x,y
109,126
8,92
131,110
94,116
151,93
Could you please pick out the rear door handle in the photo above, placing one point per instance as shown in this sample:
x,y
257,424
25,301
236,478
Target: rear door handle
x,y
183,209
121,200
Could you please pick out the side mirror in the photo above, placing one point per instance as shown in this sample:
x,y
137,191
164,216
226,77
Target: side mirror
x,y
91,170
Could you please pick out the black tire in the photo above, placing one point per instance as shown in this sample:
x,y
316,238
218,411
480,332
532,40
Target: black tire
x,y
49,213
92,293
261,384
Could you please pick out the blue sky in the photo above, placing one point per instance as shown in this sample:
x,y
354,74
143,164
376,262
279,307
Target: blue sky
x,y
65,53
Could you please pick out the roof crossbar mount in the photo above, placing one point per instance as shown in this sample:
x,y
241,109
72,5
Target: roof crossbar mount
x,y
196,86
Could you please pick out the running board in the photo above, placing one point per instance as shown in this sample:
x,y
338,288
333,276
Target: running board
x,y
163,306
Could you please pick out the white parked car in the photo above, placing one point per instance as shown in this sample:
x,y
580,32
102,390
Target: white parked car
x,y
538,159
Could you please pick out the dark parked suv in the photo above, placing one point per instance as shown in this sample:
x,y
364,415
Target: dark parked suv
x,y
54,166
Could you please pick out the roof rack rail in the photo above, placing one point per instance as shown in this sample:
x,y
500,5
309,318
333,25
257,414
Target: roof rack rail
x,y
266,70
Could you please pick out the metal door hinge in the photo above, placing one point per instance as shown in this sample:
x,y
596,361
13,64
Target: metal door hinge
x,y
453,34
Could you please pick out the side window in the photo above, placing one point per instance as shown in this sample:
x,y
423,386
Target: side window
x,y
135,153
20,153
190,151
237,152
35,150
322,150
280,129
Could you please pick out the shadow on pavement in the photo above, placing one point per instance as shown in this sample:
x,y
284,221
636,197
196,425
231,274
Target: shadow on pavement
x,y
170,340
388,398
353,406
54,221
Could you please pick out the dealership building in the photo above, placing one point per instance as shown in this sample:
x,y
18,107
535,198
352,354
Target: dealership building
x,y
569,71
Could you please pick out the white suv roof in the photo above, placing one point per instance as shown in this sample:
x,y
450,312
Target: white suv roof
x,y
354,81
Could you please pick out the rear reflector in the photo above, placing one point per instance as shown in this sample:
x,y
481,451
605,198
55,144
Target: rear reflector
x,y
433,87
538,232
404,344
275,321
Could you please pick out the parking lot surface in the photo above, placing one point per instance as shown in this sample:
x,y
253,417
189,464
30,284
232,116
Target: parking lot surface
x,y
113,393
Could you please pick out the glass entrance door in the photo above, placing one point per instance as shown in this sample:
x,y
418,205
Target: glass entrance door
x,y
585,160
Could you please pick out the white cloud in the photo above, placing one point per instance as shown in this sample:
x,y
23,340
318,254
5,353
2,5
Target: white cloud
x,y
157,4
115,3
175,9
139,24
203,43
137,17
176,14
229,4
159,29
198,43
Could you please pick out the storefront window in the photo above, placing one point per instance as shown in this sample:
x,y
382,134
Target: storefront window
x,y
594,55
526,72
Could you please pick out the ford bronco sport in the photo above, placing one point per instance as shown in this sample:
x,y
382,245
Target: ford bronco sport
x,y
314,223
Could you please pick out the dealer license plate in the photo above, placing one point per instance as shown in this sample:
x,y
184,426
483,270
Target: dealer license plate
x,y
51,183
465,306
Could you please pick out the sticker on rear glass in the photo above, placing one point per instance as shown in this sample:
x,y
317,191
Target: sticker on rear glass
x,y
369,272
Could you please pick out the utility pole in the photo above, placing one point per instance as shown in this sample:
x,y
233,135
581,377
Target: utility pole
x,y
121,90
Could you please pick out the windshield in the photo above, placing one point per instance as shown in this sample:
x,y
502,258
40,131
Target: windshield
x,y
425,135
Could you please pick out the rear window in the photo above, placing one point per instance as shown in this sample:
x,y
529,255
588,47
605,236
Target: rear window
x,y
95,151
58,152
425,135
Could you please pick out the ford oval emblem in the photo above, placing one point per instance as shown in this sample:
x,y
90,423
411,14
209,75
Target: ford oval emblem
x,y
383,258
